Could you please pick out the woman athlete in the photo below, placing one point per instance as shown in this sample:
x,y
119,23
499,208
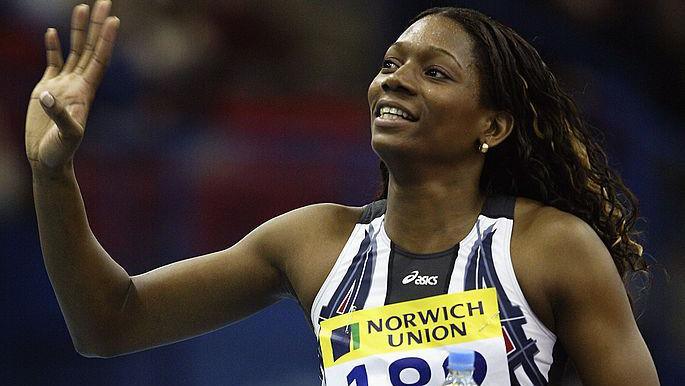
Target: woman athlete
x,y
471,128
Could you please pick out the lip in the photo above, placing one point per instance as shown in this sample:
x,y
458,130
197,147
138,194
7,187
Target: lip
x,y
400,122
391,103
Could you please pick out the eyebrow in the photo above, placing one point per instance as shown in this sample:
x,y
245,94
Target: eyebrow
x,y
433,48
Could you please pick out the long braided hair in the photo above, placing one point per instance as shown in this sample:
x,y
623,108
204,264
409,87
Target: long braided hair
x,y
551,155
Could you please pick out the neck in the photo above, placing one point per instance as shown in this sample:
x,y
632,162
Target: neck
x,y
434,212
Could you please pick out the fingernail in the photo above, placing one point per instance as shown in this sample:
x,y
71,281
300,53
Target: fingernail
x,y
47,99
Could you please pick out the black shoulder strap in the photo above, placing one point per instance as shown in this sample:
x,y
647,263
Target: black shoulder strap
x,y
497,206
372,211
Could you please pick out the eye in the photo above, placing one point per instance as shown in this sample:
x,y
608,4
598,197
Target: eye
x,y
388,65
436,73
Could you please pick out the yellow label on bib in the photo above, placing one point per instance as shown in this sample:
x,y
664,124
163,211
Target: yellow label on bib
x,y
417,324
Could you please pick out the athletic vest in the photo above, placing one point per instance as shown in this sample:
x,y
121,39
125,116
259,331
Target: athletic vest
x,y
385,316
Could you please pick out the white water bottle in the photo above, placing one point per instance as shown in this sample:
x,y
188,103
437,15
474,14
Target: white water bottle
x,y
460,367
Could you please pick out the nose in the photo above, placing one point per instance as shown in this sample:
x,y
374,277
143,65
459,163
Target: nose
x,y
401,81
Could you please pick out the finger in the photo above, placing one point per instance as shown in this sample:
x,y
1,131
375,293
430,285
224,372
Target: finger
x,y
97,18
79,19
53,53
70,130
103,52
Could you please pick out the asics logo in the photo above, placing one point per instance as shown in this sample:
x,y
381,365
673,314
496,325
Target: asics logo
x,y
420,280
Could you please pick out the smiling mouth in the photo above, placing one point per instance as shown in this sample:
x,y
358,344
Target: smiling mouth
x,y
393,113
391,117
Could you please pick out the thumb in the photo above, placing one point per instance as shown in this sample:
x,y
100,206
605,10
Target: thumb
x,y
69,129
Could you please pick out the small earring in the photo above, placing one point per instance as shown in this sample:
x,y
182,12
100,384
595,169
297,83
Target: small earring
x,y
483,147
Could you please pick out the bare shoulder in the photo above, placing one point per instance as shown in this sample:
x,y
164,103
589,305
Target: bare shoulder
x,y
577,290
552,252
288,233
306,242
537,217
558,235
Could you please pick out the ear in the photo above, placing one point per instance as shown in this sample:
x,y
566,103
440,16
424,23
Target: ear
x,y
501,125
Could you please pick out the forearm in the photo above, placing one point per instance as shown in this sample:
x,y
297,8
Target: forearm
x,y
90,286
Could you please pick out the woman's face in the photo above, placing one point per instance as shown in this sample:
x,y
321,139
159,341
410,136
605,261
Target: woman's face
x,y
429,74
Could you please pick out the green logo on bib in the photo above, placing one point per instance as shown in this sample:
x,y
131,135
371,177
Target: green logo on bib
x,y
344,339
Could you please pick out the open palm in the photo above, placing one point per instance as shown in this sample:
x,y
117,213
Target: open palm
x,y
59,104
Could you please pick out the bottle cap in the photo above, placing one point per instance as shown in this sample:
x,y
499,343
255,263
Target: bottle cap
x,y
461,360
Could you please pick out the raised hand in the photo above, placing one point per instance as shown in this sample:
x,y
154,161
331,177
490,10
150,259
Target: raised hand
x,y
59,104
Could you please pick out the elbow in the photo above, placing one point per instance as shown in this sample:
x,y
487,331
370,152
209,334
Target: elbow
x,y
96,352
90,349
104,335
92,354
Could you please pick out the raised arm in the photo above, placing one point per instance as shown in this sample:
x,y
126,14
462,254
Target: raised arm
x,y
107,311
85,279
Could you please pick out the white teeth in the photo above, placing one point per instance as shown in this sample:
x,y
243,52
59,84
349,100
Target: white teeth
x,y
389,116
386,112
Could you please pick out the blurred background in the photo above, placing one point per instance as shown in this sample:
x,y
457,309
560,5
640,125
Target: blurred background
x,y
215,116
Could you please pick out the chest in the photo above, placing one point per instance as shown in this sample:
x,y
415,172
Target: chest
x,y
372,276
408,276
372,271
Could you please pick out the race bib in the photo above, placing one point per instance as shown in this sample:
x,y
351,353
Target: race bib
x,y
407,343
